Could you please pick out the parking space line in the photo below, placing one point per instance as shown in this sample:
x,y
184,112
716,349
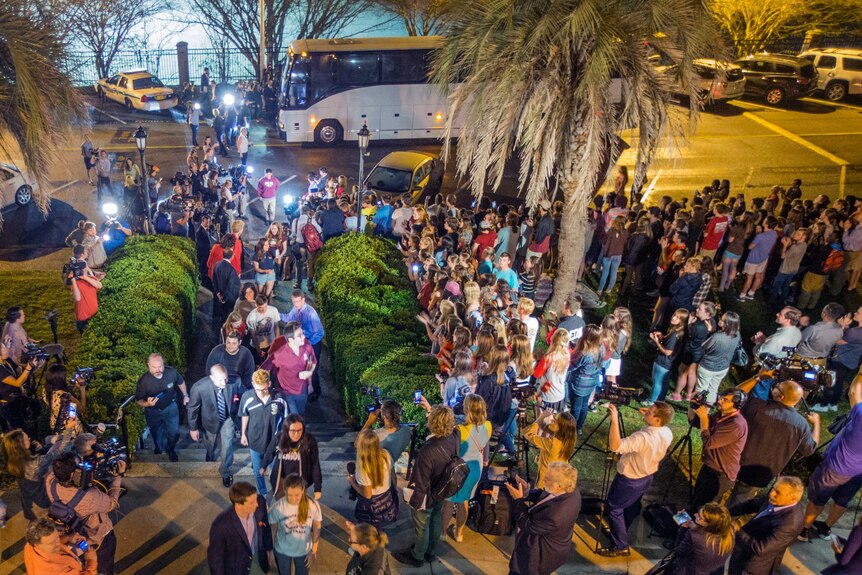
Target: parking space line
x,y
842,181
651,187
833,104
761,106
795,138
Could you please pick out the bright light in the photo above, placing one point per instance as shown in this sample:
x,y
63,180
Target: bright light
x,y
197,106
109,209
288,199
228,100
249,169
312,120
439,117
106,237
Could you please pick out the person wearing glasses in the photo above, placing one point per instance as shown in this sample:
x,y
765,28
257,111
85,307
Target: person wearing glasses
x,y
295,364
296,453
369,544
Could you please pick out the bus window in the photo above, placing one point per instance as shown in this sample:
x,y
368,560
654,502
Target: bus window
x,y
404,67
322,76
297,83
358,69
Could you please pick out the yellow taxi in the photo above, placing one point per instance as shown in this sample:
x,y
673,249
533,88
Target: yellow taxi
x,y
400,172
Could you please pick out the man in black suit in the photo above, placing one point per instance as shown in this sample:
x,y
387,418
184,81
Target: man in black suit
x,y
546,521
225,289
761,542
212,406
240,537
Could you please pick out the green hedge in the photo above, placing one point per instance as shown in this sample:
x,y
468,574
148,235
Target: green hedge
x,y
146,305
368,308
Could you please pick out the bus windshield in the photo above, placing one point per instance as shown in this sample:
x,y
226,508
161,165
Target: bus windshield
x,y
297,82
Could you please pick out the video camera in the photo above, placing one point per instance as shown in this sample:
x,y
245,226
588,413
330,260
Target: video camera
x,y
103,465
699,399
74,269
374,394
619,395
179,178
33,352
84,375
808,375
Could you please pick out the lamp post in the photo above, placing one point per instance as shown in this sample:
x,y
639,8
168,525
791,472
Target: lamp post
x,y
364,136
141,143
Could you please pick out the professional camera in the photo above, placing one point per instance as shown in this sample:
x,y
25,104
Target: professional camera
x,y
374,394
103,465
524,390
179,178
84,375
619,395
808,375
699,399
33,352
74,269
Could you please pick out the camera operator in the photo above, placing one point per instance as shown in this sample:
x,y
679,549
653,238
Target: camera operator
x,y
14,333
776,431
640,455
84,289
60,397
429,466
839,476
394,437
12,380
28,463
63,484
156,392
114,232
787,334
819,339
178,209
723,434
546,520
47,552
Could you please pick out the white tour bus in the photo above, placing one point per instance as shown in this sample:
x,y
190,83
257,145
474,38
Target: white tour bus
x,y
333,87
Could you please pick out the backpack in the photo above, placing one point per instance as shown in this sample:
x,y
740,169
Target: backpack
x,y
490,515
162,223
833,261
311,237
452,479
65,512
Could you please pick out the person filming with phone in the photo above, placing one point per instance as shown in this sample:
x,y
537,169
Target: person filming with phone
x,y
703,544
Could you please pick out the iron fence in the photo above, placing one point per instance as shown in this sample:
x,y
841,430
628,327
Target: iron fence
x,y
793,45
229,65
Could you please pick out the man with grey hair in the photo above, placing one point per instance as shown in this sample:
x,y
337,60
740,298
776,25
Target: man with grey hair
x,y
156,393
762,540
546,520
212,407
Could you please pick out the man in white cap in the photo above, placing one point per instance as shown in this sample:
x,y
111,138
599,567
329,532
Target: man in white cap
x,y
542,236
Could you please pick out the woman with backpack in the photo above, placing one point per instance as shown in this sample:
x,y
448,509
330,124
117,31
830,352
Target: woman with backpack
x,y
377,499
298,522
475,434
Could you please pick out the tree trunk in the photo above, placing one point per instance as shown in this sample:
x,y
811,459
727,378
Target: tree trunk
x,y
573,230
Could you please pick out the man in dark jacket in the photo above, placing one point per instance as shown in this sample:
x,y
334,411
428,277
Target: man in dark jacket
x,y
331,220
428,471
212,405
542,236
262,411
240,535
203,246
225,288
761,542
686,285
546,520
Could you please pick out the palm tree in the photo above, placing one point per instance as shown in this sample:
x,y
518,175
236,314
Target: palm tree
x,y
37,99
553,82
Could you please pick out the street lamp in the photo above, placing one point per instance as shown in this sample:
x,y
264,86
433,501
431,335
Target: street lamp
x,y
364,136
141,143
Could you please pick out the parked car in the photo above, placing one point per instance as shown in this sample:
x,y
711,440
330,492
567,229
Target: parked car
x,y
777,78
16,186
138,90
711,86
839,71
401,172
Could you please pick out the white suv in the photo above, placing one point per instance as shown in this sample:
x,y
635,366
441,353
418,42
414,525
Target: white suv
x,y
840,71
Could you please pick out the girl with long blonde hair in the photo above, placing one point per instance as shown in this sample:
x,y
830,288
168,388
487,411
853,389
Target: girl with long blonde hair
x,y
550,372
376,503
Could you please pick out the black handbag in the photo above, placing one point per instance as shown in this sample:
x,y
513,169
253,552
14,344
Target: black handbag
x,y
662,567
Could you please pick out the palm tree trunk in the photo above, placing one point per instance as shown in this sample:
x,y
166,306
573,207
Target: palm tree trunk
x,y
573,230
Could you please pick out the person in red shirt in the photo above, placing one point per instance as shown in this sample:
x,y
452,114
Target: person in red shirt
x,y
486,239
715,230
84,290
295,363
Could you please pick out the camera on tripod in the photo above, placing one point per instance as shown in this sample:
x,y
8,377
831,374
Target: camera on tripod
x,y
522,391
33,352
619,395
808,375
699,399
374,394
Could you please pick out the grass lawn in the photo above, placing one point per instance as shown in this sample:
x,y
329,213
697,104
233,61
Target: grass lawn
x,y
637,372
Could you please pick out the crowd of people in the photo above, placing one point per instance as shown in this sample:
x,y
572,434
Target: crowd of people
x,y
516,382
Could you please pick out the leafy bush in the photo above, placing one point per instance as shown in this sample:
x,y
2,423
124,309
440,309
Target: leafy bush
x,y
368,307
147,305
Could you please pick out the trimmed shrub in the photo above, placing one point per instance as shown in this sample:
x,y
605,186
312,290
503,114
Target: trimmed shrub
x,y
369,307
146,305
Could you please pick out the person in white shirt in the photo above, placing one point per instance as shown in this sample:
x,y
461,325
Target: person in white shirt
x,y
242,145
262,324
787,334
640,455
526,306
401,216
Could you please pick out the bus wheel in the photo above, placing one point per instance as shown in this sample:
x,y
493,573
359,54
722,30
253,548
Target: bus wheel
x,y
328,133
